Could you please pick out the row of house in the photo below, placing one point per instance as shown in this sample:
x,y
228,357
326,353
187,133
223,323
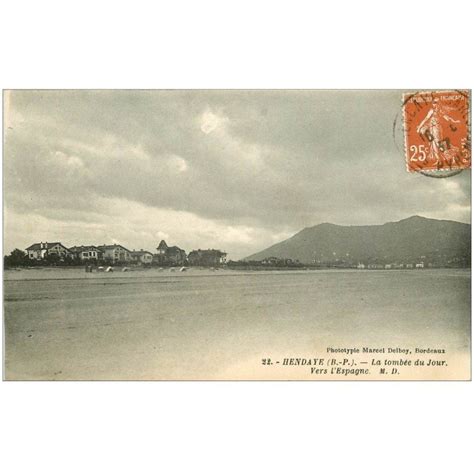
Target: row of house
x,y
174,255
116,253
276,261
390,266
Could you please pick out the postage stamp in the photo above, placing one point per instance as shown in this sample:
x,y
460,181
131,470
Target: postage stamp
x,y
437,130
236,250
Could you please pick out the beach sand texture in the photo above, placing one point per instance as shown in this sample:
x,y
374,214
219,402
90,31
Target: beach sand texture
x,y
65,324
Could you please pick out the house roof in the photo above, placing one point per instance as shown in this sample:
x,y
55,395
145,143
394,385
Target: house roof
x,y
174,250
169,250
47,245
83,248
208,252
111,247
139,253
162,246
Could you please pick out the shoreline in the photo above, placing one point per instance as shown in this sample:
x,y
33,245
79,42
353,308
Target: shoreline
x,y
119,268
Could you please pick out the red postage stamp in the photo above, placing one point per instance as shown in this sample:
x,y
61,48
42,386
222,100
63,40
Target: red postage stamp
x,y
437,130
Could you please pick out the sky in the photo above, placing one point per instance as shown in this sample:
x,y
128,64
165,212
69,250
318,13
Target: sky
x,y
233,170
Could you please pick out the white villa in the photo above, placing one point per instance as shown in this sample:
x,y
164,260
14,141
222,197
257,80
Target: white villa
x,y
40,250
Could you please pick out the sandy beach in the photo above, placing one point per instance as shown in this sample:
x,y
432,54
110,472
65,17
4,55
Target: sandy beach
x,y
64,324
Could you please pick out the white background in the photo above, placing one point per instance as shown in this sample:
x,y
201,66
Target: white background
x,y
236,427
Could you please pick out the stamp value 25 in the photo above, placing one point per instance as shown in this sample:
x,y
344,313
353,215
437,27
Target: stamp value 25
x,y
437,130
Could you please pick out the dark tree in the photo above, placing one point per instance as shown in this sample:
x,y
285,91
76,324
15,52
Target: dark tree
x,y
17,258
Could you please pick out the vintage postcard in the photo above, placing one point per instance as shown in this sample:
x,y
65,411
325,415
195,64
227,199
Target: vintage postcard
x,y
237,235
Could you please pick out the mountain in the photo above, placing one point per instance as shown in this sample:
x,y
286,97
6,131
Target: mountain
x,y
439,241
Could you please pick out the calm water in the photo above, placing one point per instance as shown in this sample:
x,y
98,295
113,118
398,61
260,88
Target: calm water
x,y
66,324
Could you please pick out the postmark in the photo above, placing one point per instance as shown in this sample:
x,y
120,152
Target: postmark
x,y
437,131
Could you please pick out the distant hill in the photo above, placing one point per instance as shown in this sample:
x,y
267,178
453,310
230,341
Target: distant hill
x,y
439,241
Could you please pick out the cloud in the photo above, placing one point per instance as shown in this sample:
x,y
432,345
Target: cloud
x,y
177,164
211,121
145,228
235,169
